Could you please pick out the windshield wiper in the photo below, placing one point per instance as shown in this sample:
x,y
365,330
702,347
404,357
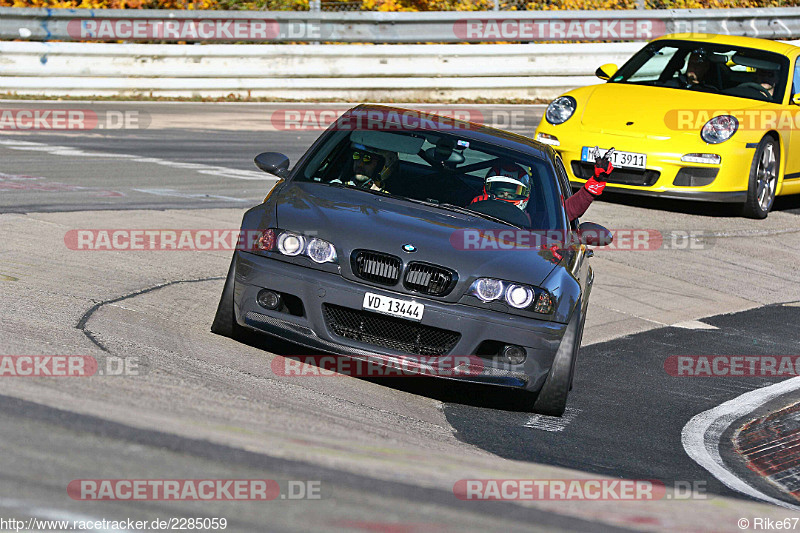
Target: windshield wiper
x,y
463,211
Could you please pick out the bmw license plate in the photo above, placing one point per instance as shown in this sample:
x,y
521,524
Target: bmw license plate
x,y
619,159
393,306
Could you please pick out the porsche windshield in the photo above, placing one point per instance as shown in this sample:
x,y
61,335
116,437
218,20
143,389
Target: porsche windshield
x,y
442,170
710,68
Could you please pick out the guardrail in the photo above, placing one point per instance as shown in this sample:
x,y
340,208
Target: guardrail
x,y
354,72
35,65
380,27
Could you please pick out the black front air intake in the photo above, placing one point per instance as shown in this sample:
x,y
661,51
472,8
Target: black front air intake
x,y
376,266
621,176
397,334
429,279
695,176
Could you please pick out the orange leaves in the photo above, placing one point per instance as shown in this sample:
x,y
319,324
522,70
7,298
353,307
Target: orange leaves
x,y
398,5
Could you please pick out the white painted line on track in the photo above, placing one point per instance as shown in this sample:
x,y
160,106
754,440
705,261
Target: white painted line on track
x,y
554,424
288,103
746,233
693,324
172,192
622,312
212,170
701,436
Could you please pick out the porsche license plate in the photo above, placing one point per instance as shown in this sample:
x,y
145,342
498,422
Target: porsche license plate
x,y
620,159
393,306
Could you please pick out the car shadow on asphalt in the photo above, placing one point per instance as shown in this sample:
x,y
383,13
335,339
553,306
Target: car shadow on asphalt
x,y
788,204
451,391
444,390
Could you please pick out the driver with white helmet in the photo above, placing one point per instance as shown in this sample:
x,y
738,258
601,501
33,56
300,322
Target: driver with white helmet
x,y
511,183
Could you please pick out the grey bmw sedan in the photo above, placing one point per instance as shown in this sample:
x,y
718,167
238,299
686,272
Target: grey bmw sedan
x,y
414,239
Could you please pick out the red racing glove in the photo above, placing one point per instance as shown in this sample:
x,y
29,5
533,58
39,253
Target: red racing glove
x,y
602,168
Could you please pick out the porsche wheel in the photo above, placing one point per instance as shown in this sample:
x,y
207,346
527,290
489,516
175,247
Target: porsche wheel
x,y
763,179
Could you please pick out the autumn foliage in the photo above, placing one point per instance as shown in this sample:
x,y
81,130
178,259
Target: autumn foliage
x,y
396,5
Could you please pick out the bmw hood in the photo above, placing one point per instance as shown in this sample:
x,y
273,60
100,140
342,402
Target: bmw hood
x,y
352,220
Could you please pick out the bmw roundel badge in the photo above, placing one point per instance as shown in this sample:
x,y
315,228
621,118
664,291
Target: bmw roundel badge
x,y
409,248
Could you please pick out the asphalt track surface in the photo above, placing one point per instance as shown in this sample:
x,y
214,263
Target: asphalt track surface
x,y
631,410
385,451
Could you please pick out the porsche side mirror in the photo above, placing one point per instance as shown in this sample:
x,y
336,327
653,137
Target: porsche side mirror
x,y
796,99
606,71
273,163
592,234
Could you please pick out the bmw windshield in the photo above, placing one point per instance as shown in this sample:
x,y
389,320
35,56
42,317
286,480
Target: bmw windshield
x,y
711,68
443,170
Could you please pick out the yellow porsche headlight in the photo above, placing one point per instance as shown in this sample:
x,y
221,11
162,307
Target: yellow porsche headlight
x,y
560,110
719,129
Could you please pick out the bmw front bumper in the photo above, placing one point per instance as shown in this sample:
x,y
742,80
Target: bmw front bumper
x,y
319,291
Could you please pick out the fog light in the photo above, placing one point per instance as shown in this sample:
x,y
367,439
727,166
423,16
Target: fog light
x,y
268,299
711,159
545,138
514,355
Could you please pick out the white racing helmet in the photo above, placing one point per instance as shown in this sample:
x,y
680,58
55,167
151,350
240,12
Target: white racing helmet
x,y
510,183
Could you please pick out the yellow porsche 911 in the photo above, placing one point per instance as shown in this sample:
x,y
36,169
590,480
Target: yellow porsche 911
x,y
715,118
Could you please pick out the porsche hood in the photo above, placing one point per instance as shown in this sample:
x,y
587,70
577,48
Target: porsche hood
x,y
653,112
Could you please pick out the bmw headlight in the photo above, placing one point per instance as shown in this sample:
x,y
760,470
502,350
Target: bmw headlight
x,y
519,296
719,129
291,244
321,251
487,289
516,295
560,110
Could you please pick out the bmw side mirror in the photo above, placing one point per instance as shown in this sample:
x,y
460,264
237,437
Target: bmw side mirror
x,y
592,234
606,71
273,163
